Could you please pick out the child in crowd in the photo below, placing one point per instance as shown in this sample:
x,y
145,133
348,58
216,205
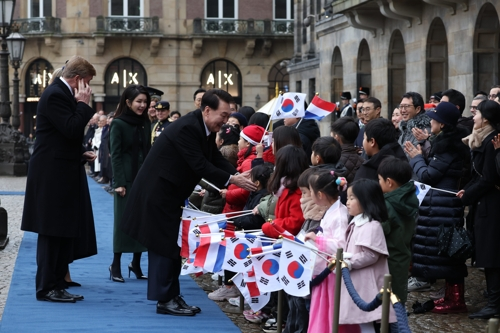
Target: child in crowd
x,y
345,130
326,151
260,176
236,197
365,253
325,187
291,161
394,177
379,142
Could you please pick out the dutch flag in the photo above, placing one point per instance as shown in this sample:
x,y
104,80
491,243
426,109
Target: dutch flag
x,y
318,109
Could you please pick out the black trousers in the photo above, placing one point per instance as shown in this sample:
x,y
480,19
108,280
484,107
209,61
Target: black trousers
x,y
53,254
163,277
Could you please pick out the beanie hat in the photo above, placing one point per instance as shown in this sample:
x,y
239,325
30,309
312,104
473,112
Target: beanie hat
x,y
490,110
241,118
445,113
253,134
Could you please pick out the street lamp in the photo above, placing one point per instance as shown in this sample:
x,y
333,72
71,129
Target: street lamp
x,y
16,43
6,12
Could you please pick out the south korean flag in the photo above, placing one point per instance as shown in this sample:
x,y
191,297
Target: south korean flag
x,y
266,267
296,268
237,252
247,285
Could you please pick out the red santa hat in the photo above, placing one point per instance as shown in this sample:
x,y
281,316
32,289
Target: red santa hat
x,y
253,134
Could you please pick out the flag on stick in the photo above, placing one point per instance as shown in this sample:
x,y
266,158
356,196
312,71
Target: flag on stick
x,y
237,252
421,191
186,225
266,268
318,109
296,268
245,282
289,105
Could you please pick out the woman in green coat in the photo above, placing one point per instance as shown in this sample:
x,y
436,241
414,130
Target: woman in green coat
x,y
130,141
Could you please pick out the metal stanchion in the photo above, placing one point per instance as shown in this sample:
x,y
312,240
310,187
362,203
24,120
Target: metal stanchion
x,y
219,281
338,281
386,303
242,303
279,320
492,326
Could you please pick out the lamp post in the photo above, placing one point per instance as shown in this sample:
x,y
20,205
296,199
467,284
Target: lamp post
x,y
16,43
6,12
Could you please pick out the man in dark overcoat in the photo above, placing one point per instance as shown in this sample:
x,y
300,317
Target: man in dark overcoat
x,y
57,203
184,153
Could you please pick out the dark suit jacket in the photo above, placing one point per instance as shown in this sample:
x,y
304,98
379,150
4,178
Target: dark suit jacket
x,y
57,201
180,157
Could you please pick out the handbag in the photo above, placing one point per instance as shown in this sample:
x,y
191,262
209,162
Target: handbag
x,y
455,242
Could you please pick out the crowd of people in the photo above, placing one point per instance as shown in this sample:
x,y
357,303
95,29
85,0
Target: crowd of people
x,y
355,189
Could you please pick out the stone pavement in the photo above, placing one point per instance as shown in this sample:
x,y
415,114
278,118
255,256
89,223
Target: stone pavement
x,y
421,323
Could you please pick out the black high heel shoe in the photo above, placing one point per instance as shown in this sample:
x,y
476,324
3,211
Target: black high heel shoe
x,y
137,272
115,278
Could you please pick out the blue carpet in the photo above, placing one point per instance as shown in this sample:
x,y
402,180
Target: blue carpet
x,y
11,193
108,306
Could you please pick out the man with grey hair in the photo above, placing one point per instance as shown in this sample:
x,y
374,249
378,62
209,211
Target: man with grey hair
x,y
57,203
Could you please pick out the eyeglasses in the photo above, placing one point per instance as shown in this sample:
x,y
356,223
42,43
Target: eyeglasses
x,y
365,110
405,106
360,109
473,107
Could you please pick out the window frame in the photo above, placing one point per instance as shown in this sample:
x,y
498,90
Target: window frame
x,y
221,11
289,11
125,9
40,5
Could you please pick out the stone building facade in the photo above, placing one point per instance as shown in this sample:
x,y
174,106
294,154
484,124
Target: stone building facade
x,y
175,46
394,46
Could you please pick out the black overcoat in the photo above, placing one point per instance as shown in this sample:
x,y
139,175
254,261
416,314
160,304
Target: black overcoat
x,y
446,166
483,191
180,157
57,201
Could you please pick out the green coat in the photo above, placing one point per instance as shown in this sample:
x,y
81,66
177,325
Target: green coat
x,y
121,140
402,207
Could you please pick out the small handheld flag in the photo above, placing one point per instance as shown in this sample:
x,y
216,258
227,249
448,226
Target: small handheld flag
x,y
318,109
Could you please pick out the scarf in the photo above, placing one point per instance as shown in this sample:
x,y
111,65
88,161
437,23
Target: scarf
x,y
284,183
310,210
475,140
140,142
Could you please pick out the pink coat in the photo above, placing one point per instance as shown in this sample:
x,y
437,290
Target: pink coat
x,y
334,225
366,243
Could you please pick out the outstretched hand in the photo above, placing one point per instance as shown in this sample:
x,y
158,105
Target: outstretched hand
x,y
243,180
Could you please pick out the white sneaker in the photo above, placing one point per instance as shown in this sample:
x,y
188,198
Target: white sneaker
x,y
234,301
215,277
224,293
415,285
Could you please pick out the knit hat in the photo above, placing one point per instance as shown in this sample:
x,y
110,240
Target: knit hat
x,y
490,110
241,118
437,96
445,113
252,134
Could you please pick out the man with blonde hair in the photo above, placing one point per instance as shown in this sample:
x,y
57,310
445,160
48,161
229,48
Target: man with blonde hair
x,y
57,202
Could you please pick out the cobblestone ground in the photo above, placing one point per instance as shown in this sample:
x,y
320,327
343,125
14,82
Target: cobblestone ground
x,y
14,206
420,323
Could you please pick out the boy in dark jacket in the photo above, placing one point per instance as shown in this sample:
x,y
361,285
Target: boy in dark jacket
x,y
345,130
401,201
379,142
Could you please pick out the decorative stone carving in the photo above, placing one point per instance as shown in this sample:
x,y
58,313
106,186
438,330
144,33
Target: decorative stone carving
x,y
100,41
14,153
54,43
266,47
197,46
154,47
249,48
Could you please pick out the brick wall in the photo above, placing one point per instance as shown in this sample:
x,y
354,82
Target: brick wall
x,y
95,8
60,8
258,9
194,9
156,8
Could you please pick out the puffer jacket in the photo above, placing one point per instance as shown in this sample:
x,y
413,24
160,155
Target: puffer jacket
x,y
421,121
236,197
351,160
444,170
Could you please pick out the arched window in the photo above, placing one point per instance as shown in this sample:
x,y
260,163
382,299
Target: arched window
x,y
397,70
278,75
120,74
36,80
222,74
486,48
364,67
337,75
437,58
